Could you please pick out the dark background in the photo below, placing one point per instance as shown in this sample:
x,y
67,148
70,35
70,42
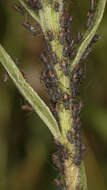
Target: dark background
x,y
26,144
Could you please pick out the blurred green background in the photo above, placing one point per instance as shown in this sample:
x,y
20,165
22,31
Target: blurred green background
x,y
26,145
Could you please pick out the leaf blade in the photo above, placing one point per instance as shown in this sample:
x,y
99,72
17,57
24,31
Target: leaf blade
x,y
90,32
27,91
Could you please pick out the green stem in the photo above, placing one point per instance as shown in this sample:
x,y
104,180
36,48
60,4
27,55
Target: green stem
x,y
50,21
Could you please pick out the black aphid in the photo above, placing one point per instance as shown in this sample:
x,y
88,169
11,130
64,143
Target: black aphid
x,y
56,7
19,9
65,67
66,101
70,137
50,35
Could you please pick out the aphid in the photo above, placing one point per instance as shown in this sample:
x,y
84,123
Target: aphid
x,y
50,35
78,37
54,57
59,145
46,62
66,51
65,154
56,161
77,120
56,7
77,160
78,143
76,126
68,36
46,80
63,20
43,58
54,109
19,9
81,105
74,91
43,75
77,135
75,111
71,45
69,23
65,67
83,148
55,158
70,137
39,5
95,39
48,46
84,57
66,101
89,18
75,78
53,97
30,28
52,78
62,37
58,93
71,55
80,71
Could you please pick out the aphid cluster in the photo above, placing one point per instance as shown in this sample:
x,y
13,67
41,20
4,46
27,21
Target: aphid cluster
x,y
65,36
58,159
48,76
67,41
34,29
77,76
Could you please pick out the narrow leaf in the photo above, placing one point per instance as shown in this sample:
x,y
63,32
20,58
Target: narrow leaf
x,y
90,32
31,96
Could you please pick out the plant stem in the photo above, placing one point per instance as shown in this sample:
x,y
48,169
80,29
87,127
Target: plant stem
x,y
51,21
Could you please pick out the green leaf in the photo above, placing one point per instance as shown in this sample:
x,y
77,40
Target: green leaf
x,y
31,96
90,32
33,13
